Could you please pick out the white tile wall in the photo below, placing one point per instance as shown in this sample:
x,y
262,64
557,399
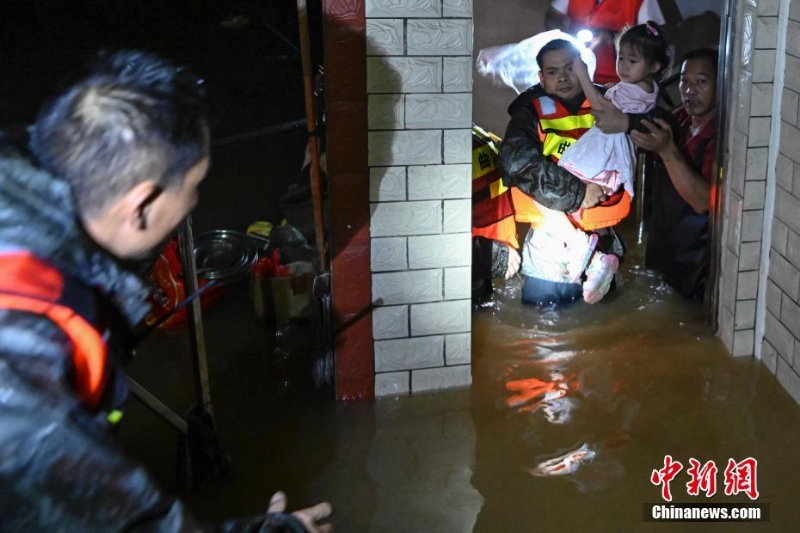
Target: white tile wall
x,y
743,343
779,336
457,216
766,32
387,184
419,82
422,147
752,225
457,146
457,74
390,253
457,8
439,181
745,314
385,37
409,353
392,384
406,218
768,8
385,112
407,287
769,356
440,251
443,317
404,74
793,38
789,102
788,378
785,275
439,37
457,349
403,8
390,322
763,66
447,110
450,377
458,283
790,315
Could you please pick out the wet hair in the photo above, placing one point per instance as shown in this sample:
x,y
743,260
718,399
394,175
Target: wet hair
x,y
648,40
707,54
135,117
555,44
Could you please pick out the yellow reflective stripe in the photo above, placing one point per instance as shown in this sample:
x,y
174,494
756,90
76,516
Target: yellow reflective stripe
x,y
553,144
573,122
496,188
482,161
114,417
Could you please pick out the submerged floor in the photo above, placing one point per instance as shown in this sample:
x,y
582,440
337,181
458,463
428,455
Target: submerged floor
x,y
632,379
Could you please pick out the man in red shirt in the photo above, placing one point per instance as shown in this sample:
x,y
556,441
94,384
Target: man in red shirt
x,y
678,237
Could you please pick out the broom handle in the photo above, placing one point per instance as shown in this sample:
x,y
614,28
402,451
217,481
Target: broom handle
x,y
313,143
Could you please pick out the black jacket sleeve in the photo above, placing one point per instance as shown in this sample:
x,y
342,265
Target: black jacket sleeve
x,y
523,165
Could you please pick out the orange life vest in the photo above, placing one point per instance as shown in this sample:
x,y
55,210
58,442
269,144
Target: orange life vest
x,y
612,15
30,285
492,209
558,130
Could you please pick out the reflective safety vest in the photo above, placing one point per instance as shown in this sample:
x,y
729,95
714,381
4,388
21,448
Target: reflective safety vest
x,y
558,130
492,209
31,285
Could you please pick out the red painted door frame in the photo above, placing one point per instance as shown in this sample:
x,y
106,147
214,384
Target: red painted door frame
x,y
344,36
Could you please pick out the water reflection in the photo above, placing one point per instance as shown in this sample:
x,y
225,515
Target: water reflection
x,y
594,397
570,412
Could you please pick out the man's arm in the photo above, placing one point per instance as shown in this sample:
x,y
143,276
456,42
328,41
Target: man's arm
x,y
690,184
523,165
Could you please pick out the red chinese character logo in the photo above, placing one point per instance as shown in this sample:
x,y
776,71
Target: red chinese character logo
x,y
703,478
741,477
664,476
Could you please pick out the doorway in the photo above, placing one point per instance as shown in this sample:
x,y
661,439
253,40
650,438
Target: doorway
x,y
688,25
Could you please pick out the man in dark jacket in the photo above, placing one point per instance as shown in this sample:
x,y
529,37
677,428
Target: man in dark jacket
x,y
104,176
528,161
525,163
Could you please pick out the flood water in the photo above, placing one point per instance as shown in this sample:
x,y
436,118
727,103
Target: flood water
x,y
629,381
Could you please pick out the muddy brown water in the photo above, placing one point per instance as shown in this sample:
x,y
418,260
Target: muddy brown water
x,y
634,378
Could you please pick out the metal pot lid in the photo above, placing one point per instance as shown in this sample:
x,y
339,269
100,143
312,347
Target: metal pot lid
x,y
222,254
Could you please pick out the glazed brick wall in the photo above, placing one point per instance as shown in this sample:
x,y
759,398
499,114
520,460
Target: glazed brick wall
x,y
419,83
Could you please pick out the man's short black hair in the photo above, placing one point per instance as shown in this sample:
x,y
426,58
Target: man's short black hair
x,y
555,44
707,54
135,117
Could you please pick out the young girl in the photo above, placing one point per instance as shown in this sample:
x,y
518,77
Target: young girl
x,y
609,159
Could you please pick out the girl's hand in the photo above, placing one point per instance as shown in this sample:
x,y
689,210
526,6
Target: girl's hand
x,y
579,67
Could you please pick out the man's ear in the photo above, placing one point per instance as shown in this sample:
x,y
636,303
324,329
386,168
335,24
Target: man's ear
x,y
541,77
138,203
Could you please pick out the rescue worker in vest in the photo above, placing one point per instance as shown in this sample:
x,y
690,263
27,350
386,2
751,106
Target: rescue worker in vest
x,y
545,120
605,19
104,176
678,236
494,229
